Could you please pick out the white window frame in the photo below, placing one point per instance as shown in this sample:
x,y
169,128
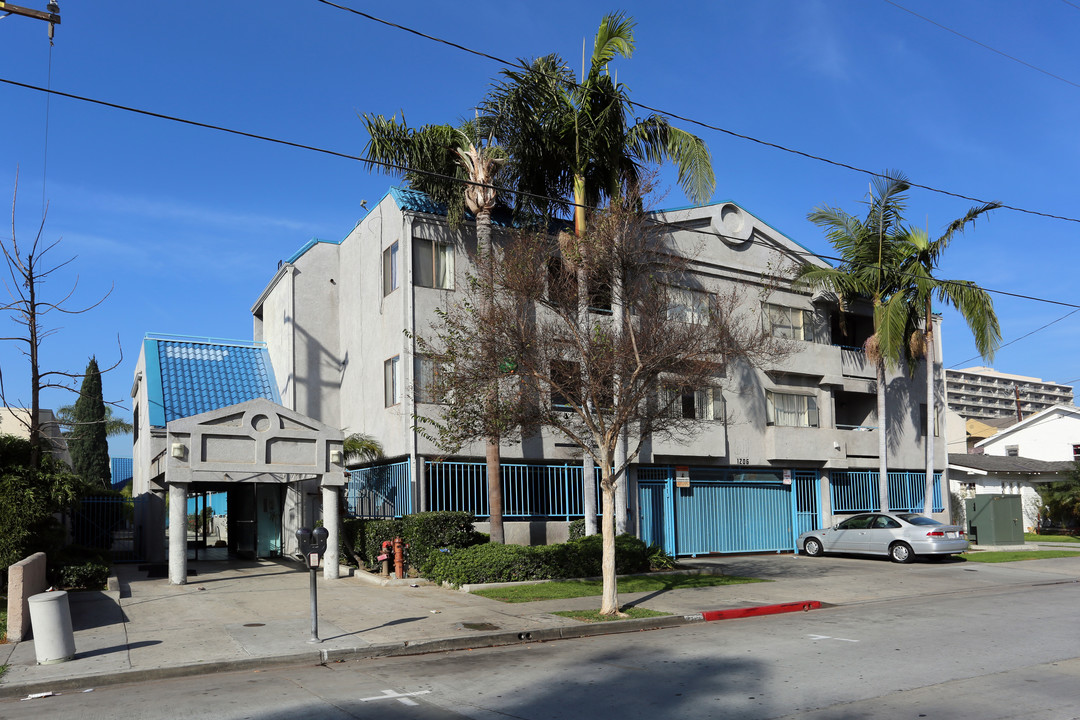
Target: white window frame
x,y
433,264
392,381
688,305
799,409
791,323
391,268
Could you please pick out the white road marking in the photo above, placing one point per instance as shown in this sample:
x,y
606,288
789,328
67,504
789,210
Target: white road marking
x,y
402,698
828,637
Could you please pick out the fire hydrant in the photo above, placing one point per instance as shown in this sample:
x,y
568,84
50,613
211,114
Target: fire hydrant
x,y
398,547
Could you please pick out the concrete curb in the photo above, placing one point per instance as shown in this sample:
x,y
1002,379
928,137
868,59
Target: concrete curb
x,y
415,647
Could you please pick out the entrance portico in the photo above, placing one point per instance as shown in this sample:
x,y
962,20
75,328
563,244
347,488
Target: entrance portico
x,y
257,441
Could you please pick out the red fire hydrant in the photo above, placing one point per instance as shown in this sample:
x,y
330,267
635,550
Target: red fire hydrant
x,y
398,546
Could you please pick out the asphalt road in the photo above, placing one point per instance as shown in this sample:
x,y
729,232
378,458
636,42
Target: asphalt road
x,y
998,654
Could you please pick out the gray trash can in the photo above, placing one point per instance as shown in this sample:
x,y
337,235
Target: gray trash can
x,y
50,618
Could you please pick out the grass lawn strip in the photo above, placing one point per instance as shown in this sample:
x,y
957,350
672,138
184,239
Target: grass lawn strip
x,y
1033,538
990,556
595,616
564,589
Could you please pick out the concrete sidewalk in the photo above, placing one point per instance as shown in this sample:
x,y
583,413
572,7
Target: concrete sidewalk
x,y
235,615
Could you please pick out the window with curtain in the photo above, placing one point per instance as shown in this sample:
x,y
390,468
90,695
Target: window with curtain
x,y
788,322
392,381
426,371
689,306
694,404
791,410
433,264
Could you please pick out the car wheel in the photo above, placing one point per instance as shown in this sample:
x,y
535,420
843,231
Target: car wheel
x,y
901,553
812,547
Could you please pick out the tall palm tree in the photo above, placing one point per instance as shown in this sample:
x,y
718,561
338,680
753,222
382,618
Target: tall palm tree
x,y
571,144
869,257
456,167
920,260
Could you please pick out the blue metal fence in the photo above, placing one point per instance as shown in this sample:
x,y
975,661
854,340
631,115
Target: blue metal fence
x,y
857,491
383,491
552,491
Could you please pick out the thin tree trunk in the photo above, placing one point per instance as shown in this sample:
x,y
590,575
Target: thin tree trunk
x,y
491,449
883,442
588,470
931,414
609,604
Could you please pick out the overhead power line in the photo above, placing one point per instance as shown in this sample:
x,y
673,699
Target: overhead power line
x,y
699,123
400,168
983,45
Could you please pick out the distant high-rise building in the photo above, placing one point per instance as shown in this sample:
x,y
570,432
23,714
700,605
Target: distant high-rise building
x,y
981,392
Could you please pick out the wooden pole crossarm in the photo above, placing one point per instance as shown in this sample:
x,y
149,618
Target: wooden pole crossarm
x,y
7,7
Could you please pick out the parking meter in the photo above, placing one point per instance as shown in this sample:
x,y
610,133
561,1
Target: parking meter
x,y
312,546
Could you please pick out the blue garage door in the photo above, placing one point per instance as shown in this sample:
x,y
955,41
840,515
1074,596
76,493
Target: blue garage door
x,y
724,511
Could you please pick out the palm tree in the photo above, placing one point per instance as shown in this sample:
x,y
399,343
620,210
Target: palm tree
x,y
571,144
455,167
361,448
867,271
921,257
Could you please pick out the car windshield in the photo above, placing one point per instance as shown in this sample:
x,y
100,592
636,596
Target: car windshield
x,y
918,519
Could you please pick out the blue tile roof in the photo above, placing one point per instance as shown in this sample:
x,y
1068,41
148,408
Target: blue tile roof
x,y
121,471
415,201
188,377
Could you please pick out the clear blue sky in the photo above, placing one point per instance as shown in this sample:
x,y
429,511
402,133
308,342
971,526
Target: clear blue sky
x,y
187,225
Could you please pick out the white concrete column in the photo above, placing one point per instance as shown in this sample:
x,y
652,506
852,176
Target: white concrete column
x,y
178,533
332,523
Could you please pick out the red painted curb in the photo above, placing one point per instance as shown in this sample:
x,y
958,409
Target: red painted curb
x,y
761,610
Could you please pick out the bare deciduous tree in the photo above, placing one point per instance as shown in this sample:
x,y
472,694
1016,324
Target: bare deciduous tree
x,y
628,372
27,271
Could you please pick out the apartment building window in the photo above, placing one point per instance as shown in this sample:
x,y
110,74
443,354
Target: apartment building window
x,y
791,410
788,322
689,306
392,381
695,404
390,269
433,264
565,384
1076,451
425,373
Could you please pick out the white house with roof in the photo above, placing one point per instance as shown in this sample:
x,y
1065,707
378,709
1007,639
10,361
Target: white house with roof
x,y
784,447
1040,449
1051,434
208,418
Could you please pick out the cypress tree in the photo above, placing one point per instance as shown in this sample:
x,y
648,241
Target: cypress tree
x,y
88,440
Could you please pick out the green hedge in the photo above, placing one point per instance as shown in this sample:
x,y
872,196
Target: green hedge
x,y
425,534
512,563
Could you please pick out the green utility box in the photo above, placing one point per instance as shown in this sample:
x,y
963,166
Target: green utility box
x,y
995,520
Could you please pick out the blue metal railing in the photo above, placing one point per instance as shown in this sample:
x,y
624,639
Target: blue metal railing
x,y
857,491
553,491
383,491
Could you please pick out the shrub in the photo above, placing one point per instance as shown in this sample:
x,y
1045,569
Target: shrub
x,y
659,559
425,534
78,567
85,576
577,529
512,563
488,563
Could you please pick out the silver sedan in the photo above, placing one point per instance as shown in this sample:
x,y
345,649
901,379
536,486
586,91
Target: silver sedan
x,y
901,536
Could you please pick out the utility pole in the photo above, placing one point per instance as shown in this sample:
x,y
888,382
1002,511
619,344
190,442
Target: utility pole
x,y
51,14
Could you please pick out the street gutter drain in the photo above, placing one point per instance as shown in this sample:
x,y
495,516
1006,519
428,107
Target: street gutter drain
x,y
479,626
254,624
